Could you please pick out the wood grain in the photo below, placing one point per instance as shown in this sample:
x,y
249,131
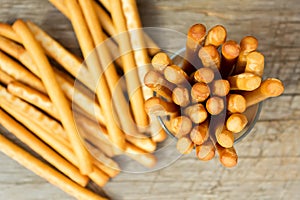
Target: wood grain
x,y
269,157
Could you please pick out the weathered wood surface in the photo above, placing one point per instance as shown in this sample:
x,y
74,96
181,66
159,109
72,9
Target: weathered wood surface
x,y
269,163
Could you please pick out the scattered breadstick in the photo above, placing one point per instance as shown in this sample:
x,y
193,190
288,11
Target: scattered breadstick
x,y
158,107
255,63
7,31
55,93
210,57
5,78
180,126
176,75
205,151
160,61
200,133
230,53
245,81
236,122
205,75
43,150
200,92
227,156
236,103
195,37
197,113
159,84
220,87
270,87
215,105
19,73
181,96
45,171
216,36
184,145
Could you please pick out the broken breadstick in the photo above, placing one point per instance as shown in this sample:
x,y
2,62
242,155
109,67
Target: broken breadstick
x,y
236,122
236,103
43,150
205,151
205,75
181,96
184,145
195,37
270,87
215,105
210,57
245,81
160,61
45,171
200,133
180,126
200,92
55,93
197,113
227,156
176,75
216,36
220,87
255,63
230,53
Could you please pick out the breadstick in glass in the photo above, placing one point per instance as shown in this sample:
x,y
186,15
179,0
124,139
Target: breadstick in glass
x,y
180,126
160,61
227,156
200,92
220,87
216,36
236,122
184,145
210,57
181,96
236,103
197,113
245,81
200,133
205,151
230,53
176,75
215,105
205,75
255,63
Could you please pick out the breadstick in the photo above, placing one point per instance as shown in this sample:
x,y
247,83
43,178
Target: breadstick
x,y
220,87
55,93
224,137
7,31
176,75
230,53
184,145
103,94
205,75
160,61
45,171
43,150
129,65
200,133
197,113
5,78
205,151
65,150
181,96
33,97
144,158
216,36
65,58
210,57
158,134
159,84
270,87
158,107
199,92
180,126
247,44
227,156
245,81
195,37
19,73
236,122
215,105
255,63
236,103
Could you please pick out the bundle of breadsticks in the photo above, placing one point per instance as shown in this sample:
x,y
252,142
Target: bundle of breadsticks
x,y
42,104
205,98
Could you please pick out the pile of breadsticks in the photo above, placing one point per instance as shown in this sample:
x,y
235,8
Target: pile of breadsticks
x,y
206,97
37,97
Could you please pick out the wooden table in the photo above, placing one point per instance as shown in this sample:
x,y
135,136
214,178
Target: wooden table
x,y
269,162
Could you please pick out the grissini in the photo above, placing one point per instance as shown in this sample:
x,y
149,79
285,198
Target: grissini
x,y
220,87
158,107
270,87
55,93
215,105
255,63
224,137
180,126
210,57
195,37
103,94
5,78
43,150
236,122
181,96
184,145
200,92
160,61
227,156
236,103
7,31
230,52
197,113
206,151
245,81
158,134
216,36
204,74
45,171
176,75
200,133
